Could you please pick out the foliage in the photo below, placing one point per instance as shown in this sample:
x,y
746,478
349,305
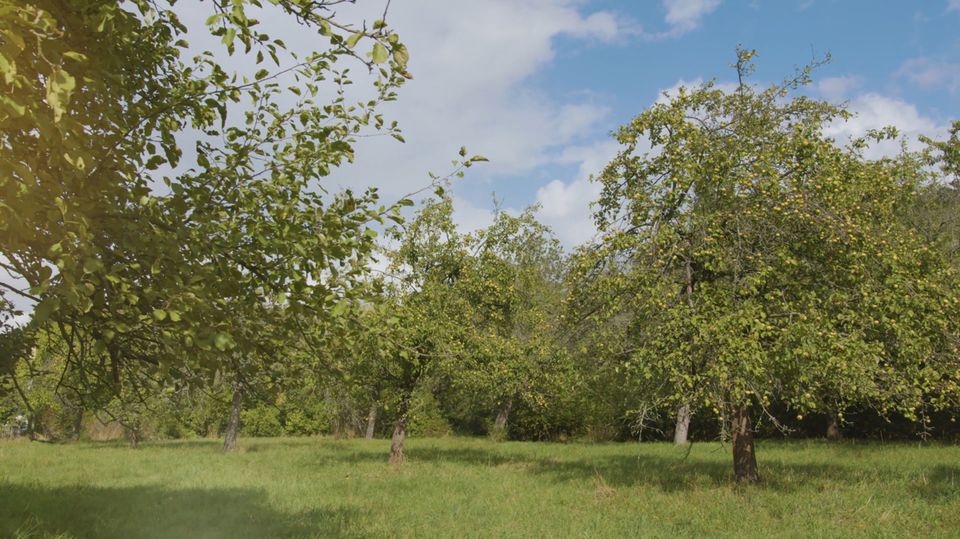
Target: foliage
x,y
757,260
512,281
207,273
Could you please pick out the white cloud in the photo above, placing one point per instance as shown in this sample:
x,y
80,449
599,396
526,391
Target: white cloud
x,y
953,5
838,88
565,206
686,15
470,217
932,73
472,63
875,111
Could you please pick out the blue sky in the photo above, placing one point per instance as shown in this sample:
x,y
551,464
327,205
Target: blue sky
x,y
538,85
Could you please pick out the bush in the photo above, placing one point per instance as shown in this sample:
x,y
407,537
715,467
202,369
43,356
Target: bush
x,y
261,420
426,419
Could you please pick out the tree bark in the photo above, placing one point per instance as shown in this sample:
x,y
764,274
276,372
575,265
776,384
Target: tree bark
x,y
233,423
833,429
77,424
682,430
372,420
680,433
399,434
744,454
134,437
133,433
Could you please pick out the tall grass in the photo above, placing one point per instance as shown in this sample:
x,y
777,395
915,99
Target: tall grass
x,y
454,487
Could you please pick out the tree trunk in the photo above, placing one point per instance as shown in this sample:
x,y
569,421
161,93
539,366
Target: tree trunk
x,y
744,455
372,420
683,425
833,429
681,432
233,423
399,434
77,424
503,416
134,437
133,433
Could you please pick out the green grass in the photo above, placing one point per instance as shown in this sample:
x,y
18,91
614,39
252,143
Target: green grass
x,y
306,487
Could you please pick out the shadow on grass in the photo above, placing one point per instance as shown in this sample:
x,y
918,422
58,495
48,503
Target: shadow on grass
x,y
33,511
668,471
247,444
163,444
942,484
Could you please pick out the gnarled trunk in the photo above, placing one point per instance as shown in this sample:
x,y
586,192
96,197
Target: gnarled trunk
x,y
233,423
372,420
833,429
744,454
399,433
682,430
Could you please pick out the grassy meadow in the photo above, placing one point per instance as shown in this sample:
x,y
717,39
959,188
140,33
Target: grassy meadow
x,y
458,487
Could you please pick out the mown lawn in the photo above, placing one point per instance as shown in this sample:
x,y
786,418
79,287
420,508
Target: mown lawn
x,y
319,487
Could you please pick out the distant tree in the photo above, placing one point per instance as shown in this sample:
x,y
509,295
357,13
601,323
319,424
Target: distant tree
x,y
421,320
16,346
767,263
513,282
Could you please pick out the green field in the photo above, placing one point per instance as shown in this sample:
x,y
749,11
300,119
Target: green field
x,y
319,487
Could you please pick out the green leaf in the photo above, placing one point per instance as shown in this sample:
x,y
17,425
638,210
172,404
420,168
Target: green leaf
x,y
352,40
325,29
75,56
401,55
160,314
44,309
154,162
223,341
60,86
91,265
380,53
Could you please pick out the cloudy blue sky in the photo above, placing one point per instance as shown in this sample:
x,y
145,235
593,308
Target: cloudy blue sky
x,y
537,86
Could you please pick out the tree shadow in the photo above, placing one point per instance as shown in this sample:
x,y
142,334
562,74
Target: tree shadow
x,y
942,484
668,472
133,512
152,444
246,444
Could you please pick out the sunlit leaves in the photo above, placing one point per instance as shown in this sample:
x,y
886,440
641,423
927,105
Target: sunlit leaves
x,y
182,275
